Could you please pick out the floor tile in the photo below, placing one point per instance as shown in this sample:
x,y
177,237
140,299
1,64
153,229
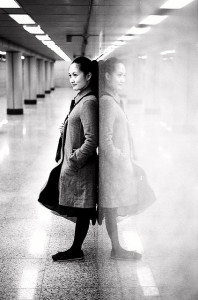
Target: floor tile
x,y
73,293
21,274
20,294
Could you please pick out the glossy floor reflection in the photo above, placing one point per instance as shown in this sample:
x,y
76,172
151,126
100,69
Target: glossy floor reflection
x,y
166,234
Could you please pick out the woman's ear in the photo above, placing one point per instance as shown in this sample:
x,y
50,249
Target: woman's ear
x,y
88,76
107,76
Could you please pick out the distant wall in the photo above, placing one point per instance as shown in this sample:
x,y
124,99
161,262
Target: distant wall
x,y
61,74
2,78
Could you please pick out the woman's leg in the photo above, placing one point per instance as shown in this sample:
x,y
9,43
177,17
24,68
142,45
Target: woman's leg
x,y
112,228
117,251
81,230
75,252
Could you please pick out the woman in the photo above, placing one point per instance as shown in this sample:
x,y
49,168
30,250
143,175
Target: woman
x,y
117,188
78,163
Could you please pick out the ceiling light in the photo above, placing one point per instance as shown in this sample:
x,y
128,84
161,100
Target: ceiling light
x,y
138,30
104,55
56,49
167,52
2,53
126,37
108,51
9,4
119,43
22,18
33,29
22,57
153,20
43,37
62,54
143,57
49,43
175,4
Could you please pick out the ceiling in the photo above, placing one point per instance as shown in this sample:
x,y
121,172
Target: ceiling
x,y
92,24
85,27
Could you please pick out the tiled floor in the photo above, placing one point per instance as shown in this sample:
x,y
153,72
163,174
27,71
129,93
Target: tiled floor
x,y
29,234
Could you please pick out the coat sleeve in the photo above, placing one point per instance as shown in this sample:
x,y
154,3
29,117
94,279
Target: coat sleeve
x,y
89,119
107,132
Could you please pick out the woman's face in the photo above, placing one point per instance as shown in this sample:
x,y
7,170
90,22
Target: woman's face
x,y
77,78
116,79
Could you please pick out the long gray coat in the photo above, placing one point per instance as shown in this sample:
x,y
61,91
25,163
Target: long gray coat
x,y
78,178
116,173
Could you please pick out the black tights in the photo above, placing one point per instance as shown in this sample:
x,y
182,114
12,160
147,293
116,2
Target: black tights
x,y
82,227
112,228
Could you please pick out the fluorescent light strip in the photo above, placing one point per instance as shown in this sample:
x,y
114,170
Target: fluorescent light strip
x,y
22,18
49,43
56,49
122,40
9,4
33,29
143,57
138,30
107,51
119,43
153,19
25,20
126,38
175,4
62,54
43,37
167,52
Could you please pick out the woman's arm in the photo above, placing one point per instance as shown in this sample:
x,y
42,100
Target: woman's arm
x,y
108,112
89,118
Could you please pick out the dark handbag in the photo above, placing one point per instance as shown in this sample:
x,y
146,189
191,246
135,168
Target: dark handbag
x,y
49,195
143,195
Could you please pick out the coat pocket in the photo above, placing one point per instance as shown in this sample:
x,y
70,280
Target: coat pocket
x,y
70,170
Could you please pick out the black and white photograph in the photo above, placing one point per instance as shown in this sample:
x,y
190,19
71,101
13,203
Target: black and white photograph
x,y
98,149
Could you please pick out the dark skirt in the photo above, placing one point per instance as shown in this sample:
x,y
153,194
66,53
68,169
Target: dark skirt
x,y
49,197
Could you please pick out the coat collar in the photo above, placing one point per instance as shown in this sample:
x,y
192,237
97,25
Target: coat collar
x,y
82,94
114,96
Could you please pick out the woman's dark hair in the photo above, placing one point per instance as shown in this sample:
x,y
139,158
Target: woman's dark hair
x,y
87,66
107,66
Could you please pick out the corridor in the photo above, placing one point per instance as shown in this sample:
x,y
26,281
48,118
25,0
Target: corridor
x,y
166,233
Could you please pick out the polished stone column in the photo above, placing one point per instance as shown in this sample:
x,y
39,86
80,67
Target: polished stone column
x,y
31,80
47,77
41,78
14,86
52,77
26,80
